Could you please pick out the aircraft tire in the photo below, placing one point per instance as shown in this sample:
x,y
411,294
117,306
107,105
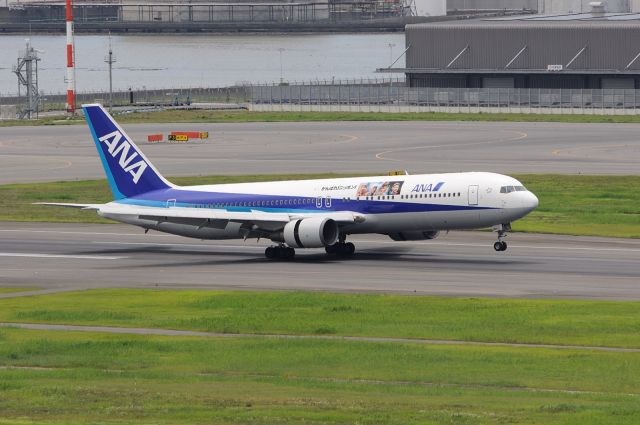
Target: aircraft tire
x,y
331,249
269,252
350,249
289,253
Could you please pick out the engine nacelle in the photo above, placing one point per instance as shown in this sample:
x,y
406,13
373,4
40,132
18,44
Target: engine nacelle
x,y
415,235
316,232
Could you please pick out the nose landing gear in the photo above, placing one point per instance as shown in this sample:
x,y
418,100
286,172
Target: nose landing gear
x,y
500,246
502,230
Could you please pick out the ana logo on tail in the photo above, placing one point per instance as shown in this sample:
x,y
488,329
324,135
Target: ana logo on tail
x,y
112,140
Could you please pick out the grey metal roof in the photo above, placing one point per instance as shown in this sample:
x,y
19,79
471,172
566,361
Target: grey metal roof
x,y
525,45
570,17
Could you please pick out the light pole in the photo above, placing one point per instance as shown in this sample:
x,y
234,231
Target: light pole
x,y
281,79
391,45
110,59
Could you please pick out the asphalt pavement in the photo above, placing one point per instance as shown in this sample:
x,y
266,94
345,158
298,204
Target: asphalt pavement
x,y
48,153
79,256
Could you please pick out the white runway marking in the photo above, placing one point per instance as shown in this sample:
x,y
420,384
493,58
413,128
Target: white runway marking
x,y
181,245
471,245
75,257
568,248
60,232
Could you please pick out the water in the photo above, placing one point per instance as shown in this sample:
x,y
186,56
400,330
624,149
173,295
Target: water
x,y
211,60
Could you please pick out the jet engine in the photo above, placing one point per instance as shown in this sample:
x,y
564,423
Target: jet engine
x,y
316,232
416,235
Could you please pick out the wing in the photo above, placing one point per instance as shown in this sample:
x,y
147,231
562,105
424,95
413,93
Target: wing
x,y
206,217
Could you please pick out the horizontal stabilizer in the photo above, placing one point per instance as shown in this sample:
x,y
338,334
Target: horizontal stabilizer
x,y
80,206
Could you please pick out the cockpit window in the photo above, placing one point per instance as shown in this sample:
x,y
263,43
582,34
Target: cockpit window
x,y
509,189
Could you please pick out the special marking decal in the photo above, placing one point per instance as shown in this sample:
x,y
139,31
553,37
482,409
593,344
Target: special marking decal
x,y
349,187
427,187
380,188
115,148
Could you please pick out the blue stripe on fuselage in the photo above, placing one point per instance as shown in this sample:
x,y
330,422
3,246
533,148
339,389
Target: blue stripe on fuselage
x,y
190,198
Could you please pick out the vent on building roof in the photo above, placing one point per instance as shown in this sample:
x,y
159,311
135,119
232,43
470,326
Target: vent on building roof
x,y
598,8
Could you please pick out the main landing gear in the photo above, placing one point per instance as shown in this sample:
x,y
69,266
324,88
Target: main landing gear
x,y
502,230
341,248
280,252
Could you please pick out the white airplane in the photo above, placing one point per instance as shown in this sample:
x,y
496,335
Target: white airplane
x,y
301,213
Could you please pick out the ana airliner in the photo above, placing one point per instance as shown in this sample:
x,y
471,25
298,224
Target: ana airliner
x,y
304,213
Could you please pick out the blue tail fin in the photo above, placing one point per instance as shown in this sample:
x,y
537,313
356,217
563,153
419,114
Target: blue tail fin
x,y
128,170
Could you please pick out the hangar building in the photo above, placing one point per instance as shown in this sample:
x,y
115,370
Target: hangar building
x,y
539,52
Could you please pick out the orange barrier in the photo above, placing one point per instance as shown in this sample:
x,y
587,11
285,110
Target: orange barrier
x,y
154,138
191,134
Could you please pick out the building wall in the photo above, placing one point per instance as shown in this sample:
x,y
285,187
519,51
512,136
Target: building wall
x,y
225,12
431,7
492,4
519,81
610,46
485,49
580,6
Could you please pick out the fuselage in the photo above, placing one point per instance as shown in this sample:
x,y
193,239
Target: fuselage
x,y
387,204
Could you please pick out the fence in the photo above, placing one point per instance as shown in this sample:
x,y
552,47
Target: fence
x,y
375,95
395,96
134,97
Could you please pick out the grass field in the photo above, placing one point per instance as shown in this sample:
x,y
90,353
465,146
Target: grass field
x,y
307,313
9,290
577,205
89,377
198,116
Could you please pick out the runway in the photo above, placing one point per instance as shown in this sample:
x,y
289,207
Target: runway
x,y
66,152
79,256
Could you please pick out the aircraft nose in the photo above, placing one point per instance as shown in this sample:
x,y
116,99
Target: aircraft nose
x,y
531,201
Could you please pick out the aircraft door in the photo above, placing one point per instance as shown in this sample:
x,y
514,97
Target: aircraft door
x,y
327,202
319,202
171,203
473,195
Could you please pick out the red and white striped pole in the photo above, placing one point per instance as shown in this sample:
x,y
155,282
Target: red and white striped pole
x,y
71,84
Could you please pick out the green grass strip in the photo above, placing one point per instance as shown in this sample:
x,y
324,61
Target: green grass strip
x,y
576,205
564,322
10,290
71,377
203,116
